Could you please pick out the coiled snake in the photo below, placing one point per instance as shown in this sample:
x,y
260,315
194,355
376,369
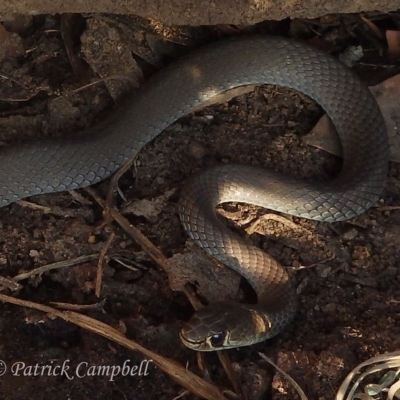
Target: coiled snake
x,y
78,161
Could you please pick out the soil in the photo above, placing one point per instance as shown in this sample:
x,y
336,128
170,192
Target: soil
x,y
347,273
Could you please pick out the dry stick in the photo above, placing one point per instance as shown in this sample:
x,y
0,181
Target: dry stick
x,y
57,265
115,180
187,379
161,260
100,264
55,210
133,232
9,283
102,80
78,307
231,373
388,208
154,253
287,376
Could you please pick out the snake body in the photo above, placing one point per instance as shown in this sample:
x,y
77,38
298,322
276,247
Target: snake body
x,y
77,161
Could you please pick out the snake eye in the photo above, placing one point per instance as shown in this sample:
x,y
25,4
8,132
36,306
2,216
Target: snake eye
x,y
217,339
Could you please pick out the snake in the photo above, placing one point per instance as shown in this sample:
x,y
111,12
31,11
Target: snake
x,y
81,159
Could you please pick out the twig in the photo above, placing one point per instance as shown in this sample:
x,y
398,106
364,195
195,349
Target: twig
x,y
287,376
100,264
61,212
138,237
57,265
187,379
9,283
231,374
108,78
388,208
78,307
133,232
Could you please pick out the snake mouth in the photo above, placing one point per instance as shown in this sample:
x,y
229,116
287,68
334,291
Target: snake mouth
x,y
194,345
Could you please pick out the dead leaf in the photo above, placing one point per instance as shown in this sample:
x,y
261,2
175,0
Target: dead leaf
x,y
387,94
214,281
11,44
379,34
149,209
393,40
324,136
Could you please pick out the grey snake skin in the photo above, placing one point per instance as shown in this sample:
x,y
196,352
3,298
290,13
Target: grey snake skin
x,y
77,161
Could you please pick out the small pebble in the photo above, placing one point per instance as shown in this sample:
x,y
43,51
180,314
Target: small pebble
x,y
324,270
92,239
350,234
196,150
34,254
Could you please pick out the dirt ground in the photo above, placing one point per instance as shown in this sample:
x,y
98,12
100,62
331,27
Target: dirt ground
x,y
347,273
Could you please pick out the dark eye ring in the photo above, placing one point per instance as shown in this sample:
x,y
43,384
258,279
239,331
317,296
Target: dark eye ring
x,y
217,339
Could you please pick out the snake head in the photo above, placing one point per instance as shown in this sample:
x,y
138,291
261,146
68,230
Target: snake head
x,y
225,325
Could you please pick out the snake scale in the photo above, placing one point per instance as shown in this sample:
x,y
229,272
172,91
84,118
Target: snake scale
x,y
79,160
